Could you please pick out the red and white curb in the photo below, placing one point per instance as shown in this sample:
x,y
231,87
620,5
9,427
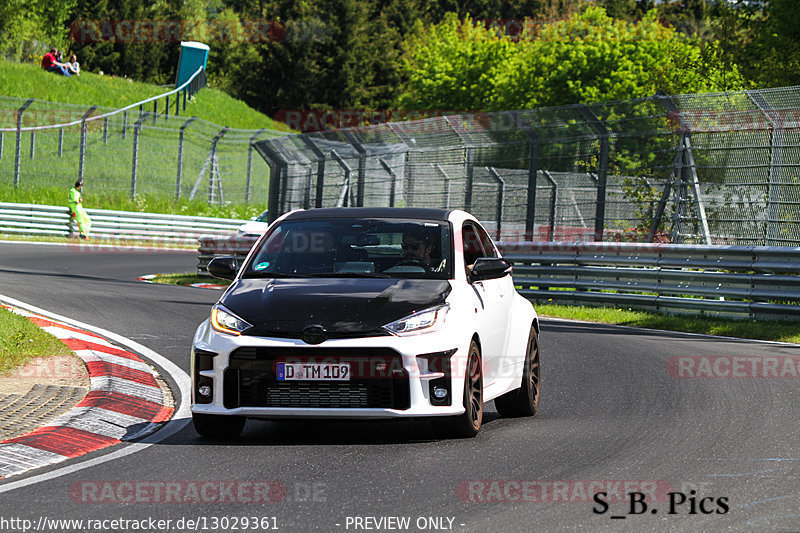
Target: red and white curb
x,y
124,402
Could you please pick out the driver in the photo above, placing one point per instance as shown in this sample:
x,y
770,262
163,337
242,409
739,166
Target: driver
x,y
417,246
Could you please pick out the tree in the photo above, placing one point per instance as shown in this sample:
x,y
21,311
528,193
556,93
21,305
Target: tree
x,y
587,58
454,65
28,28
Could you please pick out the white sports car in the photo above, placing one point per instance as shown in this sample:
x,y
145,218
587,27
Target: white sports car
x,y
366,313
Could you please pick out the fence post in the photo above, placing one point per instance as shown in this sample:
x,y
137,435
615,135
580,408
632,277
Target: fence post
x,y
775,164
214,167
82,157
500,198
701,209
1,144
250,165
18,152
155,111
438,167
551,233
180,156
60,142
320,169
602,170
124,123
662,204
166,109
277,166
362,164
410,143
469,160
135,163
105,130
533,171
346,191
392,175
33,144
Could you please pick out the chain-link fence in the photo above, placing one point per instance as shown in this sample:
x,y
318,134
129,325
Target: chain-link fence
x,y
718,168
147,150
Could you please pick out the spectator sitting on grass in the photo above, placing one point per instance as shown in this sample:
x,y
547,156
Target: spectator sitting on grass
x,y
51,64
73,66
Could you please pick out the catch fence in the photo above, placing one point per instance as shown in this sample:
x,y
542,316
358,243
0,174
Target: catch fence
x,y
149,148
720,168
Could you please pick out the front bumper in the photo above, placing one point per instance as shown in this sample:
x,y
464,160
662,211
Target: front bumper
x,y
392,377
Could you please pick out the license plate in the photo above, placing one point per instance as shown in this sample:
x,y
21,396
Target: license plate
x,y
313,371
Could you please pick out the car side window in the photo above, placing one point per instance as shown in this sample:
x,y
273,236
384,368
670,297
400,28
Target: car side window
x,y
486,242
473,249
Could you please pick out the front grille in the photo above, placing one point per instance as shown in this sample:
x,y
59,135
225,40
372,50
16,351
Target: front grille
x,y
378,379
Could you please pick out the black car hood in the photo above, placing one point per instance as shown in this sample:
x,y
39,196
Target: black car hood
x,y
344,307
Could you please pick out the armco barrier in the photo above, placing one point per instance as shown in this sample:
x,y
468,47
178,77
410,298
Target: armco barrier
x,y
237,246
50,220
738,281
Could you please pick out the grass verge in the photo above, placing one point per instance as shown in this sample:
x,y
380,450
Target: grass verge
x,y
21,340
783,331
145,203
23,80
187,279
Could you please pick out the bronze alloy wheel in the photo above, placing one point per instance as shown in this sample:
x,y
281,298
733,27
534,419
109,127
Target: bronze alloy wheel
x,y
466,425
473,399
524,401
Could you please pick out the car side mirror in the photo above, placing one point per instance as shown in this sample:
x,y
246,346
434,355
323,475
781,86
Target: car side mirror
x,y
223,267
489,268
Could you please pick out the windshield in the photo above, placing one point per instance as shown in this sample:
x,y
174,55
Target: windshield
x,y
355,247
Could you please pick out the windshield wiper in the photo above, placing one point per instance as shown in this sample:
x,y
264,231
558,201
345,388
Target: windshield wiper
x,y
263,274
349,275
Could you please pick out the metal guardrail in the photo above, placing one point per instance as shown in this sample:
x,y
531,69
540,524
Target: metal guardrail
x,y
738,281
211,247
50,220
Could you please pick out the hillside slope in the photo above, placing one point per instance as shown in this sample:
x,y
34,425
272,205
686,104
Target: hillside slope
x,y
30,81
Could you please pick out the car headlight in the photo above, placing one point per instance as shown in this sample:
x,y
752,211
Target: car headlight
x,y
225,321
426,321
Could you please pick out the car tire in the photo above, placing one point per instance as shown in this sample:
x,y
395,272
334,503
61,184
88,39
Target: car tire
x,y
218,426
468,424
524,401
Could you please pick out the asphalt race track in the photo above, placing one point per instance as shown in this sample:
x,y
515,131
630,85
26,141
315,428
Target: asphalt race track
x,y
612,415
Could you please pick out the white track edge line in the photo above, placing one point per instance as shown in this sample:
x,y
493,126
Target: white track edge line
x,y
685,333
180,418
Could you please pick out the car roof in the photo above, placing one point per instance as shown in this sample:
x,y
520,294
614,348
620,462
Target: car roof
x,y
413,213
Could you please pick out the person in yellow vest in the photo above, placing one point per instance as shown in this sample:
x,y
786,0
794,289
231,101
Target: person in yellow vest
x,y
77,212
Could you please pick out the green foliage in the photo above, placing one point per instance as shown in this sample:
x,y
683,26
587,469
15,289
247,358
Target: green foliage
x,y
29,28
454,65
767,43
587,58
367,54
